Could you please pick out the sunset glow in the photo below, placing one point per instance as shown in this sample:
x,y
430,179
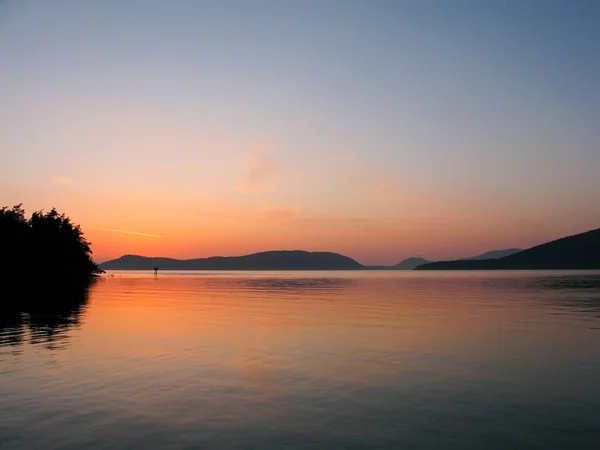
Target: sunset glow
x,y
194,129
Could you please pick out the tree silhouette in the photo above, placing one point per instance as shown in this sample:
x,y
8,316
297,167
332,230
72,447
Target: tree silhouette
x,y
59,246
47,251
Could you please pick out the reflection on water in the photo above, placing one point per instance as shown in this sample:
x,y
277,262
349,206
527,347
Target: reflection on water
x,y
577,293
43,318
308,360
299,286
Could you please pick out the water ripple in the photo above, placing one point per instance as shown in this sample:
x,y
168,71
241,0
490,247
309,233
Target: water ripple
x,y
309,360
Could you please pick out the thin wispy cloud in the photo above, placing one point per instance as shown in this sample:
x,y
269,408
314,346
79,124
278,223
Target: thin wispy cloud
x,y
65,181
136,233
260,172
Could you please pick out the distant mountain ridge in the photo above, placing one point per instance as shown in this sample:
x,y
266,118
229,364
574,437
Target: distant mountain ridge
x,y
412,263
579,251
271,260
494,254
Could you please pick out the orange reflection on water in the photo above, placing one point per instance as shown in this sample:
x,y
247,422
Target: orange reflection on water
x,y
194,354
337,327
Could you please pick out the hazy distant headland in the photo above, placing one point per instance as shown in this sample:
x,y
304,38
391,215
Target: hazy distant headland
x,y
493,254
580,251
412,263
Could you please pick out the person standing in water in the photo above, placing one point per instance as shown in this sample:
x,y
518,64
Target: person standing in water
x,y
156,271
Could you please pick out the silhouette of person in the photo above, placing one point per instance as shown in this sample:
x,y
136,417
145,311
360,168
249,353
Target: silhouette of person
x,y
156,271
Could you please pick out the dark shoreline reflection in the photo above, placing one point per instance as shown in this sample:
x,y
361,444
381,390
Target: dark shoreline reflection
x,y
567,282
578,293
44,317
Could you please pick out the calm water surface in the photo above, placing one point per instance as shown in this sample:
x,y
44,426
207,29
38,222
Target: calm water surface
x,y
309,360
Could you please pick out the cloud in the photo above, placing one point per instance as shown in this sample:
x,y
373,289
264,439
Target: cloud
x,y
65,181
261,170
128,232
279,215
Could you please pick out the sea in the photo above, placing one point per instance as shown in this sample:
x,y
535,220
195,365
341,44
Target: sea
x,y
308,360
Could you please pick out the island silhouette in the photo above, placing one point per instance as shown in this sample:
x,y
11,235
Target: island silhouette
x,y
412,263
270,260
579,251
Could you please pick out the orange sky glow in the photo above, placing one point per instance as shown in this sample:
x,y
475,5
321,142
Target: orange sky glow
x,y
428,134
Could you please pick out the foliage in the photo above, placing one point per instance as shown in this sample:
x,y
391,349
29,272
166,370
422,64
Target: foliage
x,y
47,246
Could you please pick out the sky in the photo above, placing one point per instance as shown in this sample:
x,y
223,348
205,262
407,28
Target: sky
x,y
377,129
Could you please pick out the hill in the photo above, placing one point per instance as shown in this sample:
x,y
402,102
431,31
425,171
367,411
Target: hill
x,y
272,260
494,254
410,263
580,251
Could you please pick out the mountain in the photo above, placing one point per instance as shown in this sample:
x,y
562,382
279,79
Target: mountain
x,y
410,263
580,251
494,254
273,260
